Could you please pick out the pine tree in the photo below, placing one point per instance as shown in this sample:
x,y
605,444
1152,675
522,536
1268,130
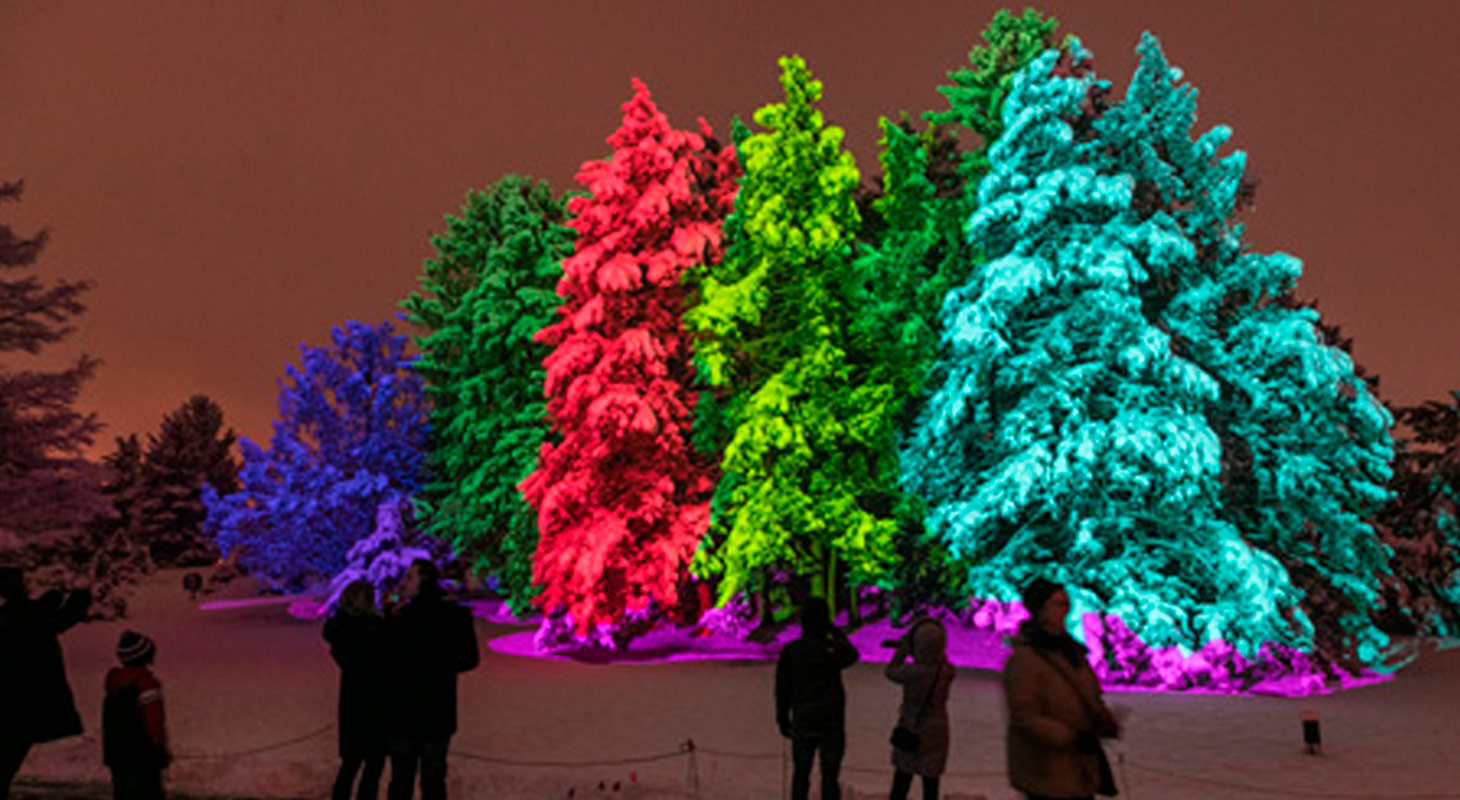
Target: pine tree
x,y
487,292
113,553
350,433
1126,406
929,190
386,554
804,468
190,449
1306,444
47,490
621,494
1421,525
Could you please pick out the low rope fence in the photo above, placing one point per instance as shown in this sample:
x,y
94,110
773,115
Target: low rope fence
x,y
689,750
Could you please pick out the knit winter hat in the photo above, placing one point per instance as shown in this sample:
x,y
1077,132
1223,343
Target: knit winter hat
x,y
135,649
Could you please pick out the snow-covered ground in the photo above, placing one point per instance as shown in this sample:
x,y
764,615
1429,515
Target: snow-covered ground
x,y
240,680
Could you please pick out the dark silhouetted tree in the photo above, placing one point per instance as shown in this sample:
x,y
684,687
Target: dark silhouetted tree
x,y
47,490
191,449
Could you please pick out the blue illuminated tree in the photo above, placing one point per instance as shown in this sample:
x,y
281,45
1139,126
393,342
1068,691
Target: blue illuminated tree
x,y
1125,403
350,434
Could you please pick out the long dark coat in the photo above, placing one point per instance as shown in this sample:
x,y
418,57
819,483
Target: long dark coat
x,y
35,696
362,647
433,640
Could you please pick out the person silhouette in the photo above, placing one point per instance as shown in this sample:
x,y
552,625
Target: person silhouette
x,y
360,644
434,640
36,703
811,701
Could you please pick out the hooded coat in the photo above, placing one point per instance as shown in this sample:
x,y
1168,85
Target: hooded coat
x,y
926,682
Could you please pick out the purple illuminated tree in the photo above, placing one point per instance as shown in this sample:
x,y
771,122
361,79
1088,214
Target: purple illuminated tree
x,y
350,434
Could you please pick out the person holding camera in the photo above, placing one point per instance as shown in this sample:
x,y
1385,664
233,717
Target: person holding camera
x,y
920,740
1057,715
811,703
36,704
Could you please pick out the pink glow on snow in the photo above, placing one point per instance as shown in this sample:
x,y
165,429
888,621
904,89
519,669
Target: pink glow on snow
x,y
984,645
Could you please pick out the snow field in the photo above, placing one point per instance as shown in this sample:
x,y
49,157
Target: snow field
x,y
248,678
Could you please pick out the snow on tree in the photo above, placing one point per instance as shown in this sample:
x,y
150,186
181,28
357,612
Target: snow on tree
x,y
384,556
805,467
487,292
920,252
1102,365
620,493
1422,523
350,433
191,448
111,555
48,492
1306,445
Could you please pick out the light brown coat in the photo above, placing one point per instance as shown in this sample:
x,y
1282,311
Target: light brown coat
x,y
1050,704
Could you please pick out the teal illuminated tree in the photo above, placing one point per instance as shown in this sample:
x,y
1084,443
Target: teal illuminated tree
x,y
1127,406
621,494
486,293
807,456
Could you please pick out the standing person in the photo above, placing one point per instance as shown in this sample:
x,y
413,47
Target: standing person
x,y
924,711
133,725
36,704
360,644
811,703
434,640
1057,715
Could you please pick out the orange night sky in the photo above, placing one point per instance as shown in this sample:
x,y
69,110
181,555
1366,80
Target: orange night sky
x,y
237,177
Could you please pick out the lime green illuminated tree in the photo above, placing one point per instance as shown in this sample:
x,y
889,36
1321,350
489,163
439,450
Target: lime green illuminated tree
x,y
806,459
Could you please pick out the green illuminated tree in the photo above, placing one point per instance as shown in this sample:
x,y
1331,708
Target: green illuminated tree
x,y
488,291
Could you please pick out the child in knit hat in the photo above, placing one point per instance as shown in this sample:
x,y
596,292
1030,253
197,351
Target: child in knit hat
x,y
133,728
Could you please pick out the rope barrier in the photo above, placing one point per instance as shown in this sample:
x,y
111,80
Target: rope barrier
x,y
257,750
685,748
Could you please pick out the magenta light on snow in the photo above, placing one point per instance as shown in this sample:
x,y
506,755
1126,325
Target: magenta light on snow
x,y
1121,661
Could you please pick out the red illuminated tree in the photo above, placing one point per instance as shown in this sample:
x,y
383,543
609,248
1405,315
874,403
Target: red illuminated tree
x,y
620,493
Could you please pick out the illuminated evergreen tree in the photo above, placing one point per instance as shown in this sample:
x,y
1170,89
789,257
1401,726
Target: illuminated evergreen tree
x,y
487,292
350,434
1126,406
807,459
929,190
621,495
